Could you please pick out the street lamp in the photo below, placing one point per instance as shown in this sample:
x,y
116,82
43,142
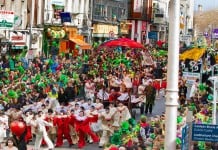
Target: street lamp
x,y
172,76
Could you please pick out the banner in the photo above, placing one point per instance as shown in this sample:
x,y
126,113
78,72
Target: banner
x,y
137,7
6,19
191,77
205,132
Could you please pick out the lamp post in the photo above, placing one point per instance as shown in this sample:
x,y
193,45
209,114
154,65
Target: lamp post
x,y
172,76
31,23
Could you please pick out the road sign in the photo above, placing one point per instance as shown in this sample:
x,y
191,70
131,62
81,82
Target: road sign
x,y
185,138
205,132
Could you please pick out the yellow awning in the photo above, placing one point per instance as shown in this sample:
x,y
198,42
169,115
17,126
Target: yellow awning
x,y
81,43
193,54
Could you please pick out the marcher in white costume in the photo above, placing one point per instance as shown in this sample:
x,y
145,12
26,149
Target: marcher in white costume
x,y
98,106
127,81
122,114
90,90
107,121
102,95
123,96
3,127
41,132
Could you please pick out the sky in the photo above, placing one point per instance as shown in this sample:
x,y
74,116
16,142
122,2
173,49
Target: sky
x,y
207,4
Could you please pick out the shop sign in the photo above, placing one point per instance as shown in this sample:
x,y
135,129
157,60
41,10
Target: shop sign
x,y
18,39
104,29
65,17
159,19
205,132
137,6
58,2
152,35
124,28
6,19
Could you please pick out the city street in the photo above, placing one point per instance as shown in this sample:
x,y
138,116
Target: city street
x,y
158,109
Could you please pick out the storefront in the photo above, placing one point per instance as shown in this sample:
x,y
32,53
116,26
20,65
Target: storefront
x,y
63,39
102,32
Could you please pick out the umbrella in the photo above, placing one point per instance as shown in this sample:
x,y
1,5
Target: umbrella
x,y
122,42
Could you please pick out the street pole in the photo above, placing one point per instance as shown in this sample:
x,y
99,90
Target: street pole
x,y
214,80
172,76
31,23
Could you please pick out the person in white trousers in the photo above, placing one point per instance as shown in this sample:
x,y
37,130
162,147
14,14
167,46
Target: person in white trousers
x,y
41,132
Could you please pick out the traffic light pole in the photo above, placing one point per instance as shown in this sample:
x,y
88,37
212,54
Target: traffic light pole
x,y
172,76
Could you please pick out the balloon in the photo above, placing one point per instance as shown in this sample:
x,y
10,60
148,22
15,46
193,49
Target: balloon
x,y
17,128
113,148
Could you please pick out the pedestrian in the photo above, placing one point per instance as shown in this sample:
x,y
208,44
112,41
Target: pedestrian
x,y
69,92
150,97
182,92
10,144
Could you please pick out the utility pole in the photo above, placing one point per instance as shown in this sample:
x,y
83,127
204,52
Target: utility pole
x,y
172,76
31,23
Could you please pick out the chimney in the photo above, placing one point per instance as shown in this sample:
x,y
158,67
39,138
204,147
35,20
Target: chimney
x,y
199,8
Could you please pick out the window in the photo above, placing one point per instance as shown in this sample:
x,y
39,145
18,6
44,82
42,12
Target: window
x,y
99,10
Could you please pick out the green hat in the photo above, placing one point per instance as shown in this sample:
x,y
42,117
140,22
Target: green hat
x,y
210,97
12,94
28,90
20,69
7,81
38,77
25,78
179,119
178,141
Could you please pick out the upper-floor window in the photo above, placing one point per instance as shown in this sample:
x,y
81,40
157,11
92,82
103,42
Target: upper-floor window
x,y
99,10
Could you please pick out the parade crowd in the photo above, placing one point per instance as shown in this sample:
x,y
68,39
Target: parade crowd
x,y
88,99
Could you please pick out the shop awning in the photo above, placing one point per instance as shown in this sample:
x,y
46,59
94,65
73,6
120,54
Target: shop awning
x,y
81,43
193,54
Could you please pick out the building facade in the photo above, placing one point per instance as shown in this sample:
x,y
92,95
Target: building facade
x,y
109,19
139,14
